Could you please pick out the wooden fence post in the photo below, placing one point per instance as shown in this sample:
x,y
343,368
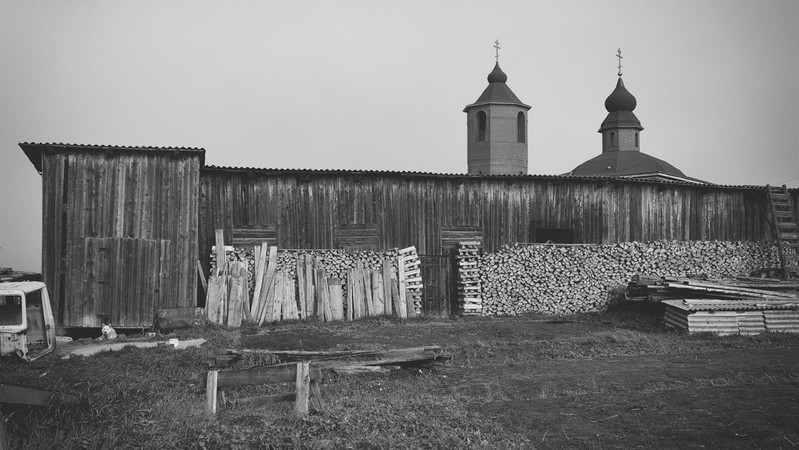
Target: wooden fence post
x,y
303,388
210,390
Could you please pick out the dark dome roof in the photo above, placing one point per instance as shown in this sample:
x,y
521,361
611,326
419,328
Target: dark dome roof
x,y
620,99
628,163
497,75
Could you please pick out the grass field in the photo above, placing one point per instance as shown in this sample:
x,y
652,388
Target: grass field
x,y
605,380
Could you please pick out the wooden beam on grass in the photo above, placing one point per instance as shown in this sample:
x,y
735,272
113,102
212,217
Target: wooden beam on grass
x,y
278,373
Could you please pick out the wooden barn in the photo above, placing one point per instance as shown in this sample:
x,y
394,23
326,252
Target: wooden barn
x,y
123,227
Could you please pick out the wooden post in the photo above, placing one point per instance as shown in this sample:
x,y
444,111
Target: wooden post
x,y
210,391
310,295
303,388
301,287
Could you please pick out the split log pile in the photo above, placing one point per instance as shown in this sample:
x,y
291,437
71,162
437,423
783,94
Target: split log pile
x,y
328,284
470,302
572,279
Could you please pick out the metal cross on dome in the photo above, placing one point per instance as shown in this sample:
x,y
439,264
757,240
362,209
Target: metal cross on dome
x,y
618,55
496,46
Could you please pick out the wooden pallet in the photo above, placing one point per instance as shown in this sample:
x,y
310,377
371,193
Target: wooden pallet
x,y
786,232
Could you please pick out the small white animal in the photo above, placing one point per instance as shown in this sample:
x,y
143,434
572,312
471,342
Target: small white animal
x,y
108,332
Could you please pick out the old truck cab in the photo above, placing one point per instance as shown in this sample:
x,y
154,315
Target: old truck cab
x,y
26,320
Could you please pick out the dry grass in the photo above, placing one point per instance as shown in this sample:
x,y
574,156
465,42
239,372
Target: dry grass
x,y
517,382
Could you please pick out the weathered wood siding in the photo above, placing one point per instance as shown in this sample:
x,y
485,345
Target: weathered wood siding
x,y
307,207
149,197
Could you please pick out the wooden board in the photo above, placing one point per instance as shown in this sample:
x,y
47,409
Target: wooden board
x,y
336,299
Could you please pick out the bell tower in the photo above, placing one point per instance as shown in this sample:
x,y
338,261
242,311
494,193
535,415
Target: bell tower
x,y
496,127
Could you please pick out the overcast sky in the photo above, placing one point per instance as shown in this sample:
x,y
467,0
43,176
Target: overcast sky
x,y
382,84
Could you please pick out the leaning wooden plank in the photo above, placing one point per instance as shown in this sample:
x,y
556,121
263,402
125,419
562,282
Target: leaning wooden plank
x,y
201,277
280,294
323,295
395,297
221,258
278,373
336,298
377,293
233,315
357,295
350,289
403,311
367,290
290,311
303,388
386,280
310,293
215,301
301,287
260,268
267,292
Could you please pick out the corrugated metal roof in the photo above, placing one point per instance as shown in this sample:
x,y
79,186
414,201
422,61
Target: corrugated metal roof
x,y
34,150
563,177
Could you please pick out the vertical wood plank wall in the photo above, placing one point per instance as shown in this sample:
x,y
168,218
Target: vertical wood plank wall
x,y
412,209
146,195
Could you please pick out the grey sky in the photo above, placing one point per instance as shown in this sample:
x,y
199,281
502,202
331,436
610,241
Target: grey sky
x,y
382,84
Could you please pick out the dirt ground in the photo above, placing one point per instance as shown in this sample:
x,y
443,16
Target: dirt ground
x,y
622,388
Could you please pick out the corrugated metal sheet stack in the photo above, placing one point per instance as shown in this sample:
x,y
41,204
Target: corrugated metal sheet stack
x,y
743,306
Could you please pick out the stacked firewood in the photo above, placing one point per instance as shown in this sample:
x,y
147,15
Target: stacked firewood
x,y
410,279
470,302
570,279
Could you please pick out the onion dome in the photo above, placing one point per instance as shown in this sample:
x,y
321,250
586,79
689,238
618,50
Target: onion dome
x,y
497,75
619,100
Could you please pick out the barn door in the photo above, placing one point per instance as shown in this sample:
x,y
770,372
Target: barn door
x,y
124,281
439,291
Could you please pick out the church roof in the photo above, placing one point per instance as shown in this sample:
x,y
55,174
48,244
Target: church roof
x,y
630,164
497,92
621,119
